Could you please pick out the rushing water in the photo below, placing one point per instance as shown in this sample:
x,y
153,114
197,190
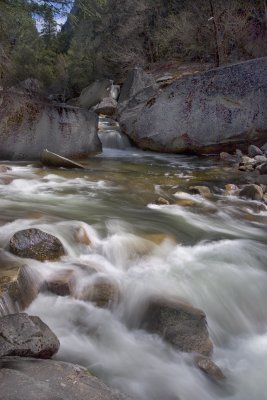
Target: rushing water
x,y
211,253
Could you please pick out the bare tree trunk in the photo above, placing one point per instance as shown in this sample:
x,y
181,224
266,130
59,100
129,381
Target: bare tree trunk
x,y
215,29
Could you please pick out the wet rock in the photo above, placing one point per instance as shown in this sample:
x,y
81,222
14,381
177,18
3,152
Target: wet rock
x,y
51,159
95,93
164,78
19,284
36,244
253,192
162,201
204,191
102,292
260,159
254,151
62,283
230,189
28,126
4,168
136,81
182,325
81,236
262,168
26,336
107,106
170,120
209,368
31,379
227,157
159,238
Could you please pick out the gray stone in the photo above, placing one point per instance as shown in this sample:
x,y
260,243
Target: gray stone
x,y
228,157
51,159
210,112
31,379
95,93
182,325
61,283
4,168
247,160
254,151
264,148
252,192
136,81
107,106
26,336
36,244
115,91
29,126
262,168
260,159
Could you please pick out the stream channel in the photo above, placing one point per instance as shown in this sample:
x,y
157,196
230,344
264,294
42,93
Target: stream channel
x,y
210,252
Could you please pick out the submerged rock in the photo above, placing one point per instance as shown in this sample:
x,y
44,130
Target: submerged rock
x,y
36,244
26,336
203,191
253,192
31,379
181,325
19,284
4,168
102,292
55,160
209,368
61,283
28,126
210,112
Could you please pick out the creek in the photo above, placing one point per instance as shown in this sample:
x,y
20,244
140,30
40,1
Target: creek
x,y
209,252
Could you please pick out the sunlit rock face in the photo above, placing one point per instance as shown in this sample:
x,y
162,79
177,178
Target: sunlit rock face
x,y
28,126
208,112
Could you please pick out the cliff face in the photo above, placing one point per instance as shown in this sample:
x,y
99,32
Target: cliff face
x,y
28,126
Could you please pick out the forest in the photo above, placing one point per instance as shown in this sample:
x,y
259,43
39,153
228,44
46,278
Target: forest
x,y
106,38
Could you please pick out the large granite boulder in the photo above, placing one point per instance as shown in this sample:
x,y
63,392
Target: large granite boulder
x,y
209,112
136,81
180,324
28,126
95,93
31,379
36,244
26,336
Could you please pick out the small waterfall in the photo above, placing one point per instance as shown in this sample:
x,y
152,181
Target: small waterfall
x,y
110,135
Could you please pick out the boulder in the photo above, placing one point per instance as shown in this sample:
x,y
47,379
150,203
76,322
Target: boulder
x,y
28,126
254,151
136,81
31,379
51,159
209,367
107,106
203,191
262,168
95,93
180,324
36,244
264,148
260,159
230,189
26,336
4,168
228,157
102,292
61,283
252,192
19,284
209,112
